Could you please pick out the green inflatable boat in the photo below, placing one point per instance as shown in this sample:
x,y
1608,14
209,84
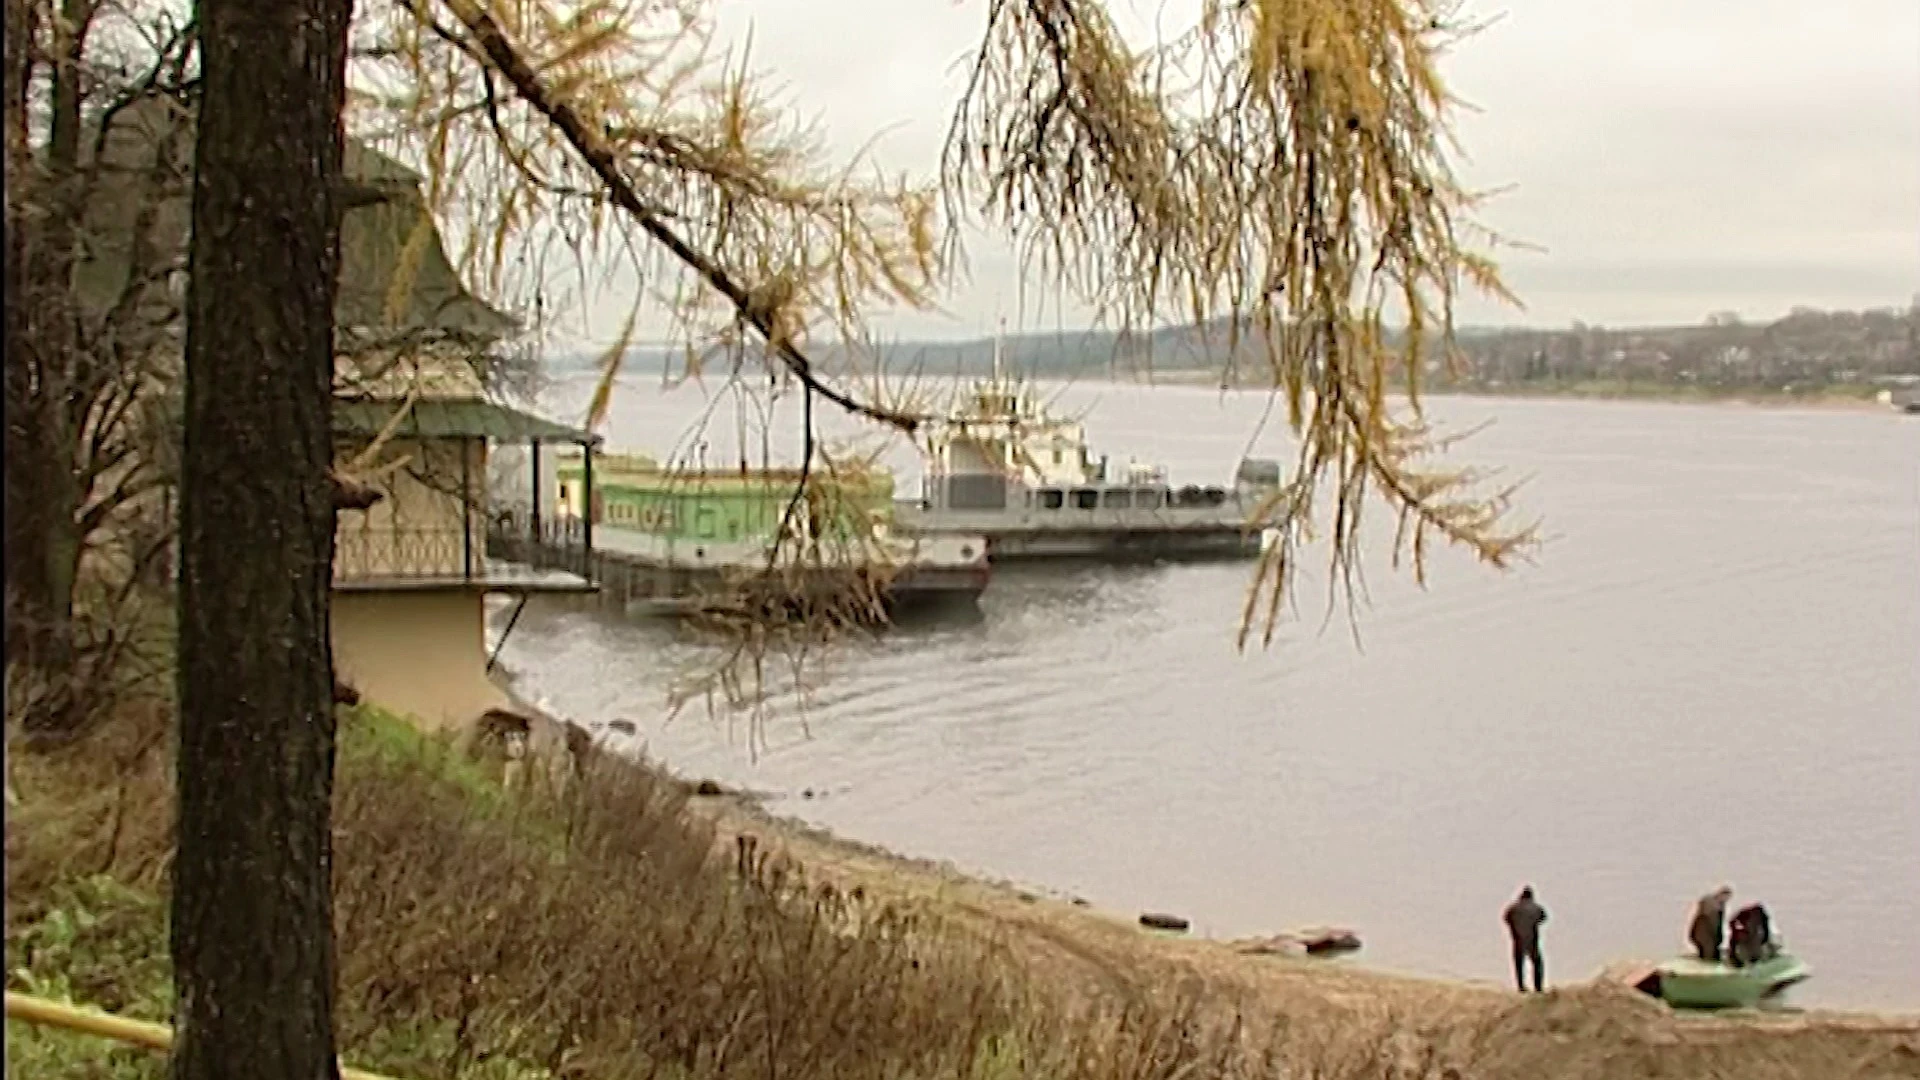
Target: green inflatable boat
x,y
1690,983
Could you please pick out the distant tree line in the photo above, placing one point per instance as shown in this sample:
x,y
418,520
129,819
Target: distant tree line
x,y
1805,350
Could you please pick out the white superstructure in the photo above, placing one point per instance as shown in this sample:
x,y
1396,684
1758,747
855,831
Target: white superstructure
x,y
999,465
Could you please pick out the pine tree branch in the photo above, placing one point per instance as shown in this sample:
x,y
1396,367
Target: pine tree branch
x,y
491,40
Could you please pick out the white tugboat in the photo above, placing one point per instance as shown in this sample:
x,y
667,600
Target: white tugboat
x,y
1001,467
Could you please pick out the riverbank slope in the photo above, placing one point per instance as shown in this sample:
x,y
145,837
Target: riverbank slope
x,y
598,918
1596,1028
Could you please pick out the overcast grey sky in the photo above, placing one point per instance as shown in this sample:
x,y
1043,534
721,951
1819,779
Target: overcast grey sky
x,y
1672,157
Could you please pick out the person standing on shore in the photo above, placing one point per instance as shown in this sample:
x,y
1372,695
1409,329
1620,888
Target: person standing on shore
x,y
1524,917
1709,923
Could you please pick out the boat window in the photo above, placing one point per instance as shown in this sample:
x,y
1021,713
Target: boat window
x,y
1051,498
1116,498
1085,498
1148,498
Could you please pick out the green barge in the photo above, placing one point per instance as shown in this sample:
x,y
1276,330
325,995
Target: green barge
x,y
677,541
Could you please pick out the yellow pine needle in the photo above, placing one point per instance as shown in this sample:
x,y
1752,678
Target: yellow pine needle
x,y
609,364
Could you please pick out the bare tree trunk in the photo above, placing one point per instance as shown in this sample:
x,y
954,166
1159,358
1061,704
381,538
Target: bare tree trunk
x,y
55,337
44,365
252,908
39,354
19,433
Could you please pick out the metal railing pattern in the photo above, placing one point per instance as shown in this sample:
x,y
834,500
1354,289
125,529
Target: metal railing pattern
x,y
376,556
386,554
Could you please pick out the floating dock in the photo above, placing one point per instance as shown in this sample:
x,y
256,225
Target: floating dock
x,y
645,574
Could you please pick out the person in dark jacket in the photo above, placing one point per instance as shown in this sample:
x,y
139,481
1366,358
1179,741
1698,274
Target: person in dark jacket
x,y
1524,917
1708,926
1749,936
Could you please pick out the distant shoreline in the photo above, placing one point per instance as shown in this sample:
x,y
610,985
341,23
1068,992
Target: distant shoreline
x,y
1848,398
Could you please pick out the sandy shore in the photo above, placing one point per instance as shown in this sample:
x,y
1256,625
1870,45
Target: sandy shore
x,y
1589,1029
1108,942
1596,1028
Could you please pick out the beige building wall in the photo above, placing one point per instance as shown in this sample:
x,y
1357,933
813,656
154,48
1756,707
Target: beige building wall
x,y
421,653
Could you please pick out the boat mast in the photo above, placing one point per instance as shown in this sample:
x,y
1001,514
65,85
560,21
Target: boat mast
x,y
1008,450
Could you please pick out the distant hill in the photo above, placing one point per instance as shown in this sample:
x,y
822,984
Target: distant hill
x,y
1081,353
1805,347
1034,355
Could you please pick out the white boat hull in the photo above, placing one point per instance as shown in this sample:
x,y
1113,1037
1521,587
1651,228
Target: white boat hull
x,y
1000,467
1106,544
1116,542
1193,544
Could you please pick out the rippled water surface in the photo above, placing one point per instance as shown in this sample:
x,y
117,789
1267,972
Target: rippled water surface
x,y
1711,674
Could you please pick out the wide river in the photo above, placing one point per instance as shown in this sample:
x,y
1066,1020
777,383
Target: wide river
x,y
1710,673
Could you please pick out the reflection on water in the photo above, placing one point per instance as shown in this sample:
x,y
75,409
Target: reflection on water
x,y
1712,673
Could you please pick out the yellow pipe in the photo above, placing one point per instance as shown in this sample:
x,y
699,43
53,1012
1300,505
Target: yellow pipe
x,y
33,1010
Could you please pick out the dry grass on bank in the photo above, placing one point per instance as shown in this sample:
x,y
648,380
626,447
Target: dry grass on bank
x,y
590,933
601,929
